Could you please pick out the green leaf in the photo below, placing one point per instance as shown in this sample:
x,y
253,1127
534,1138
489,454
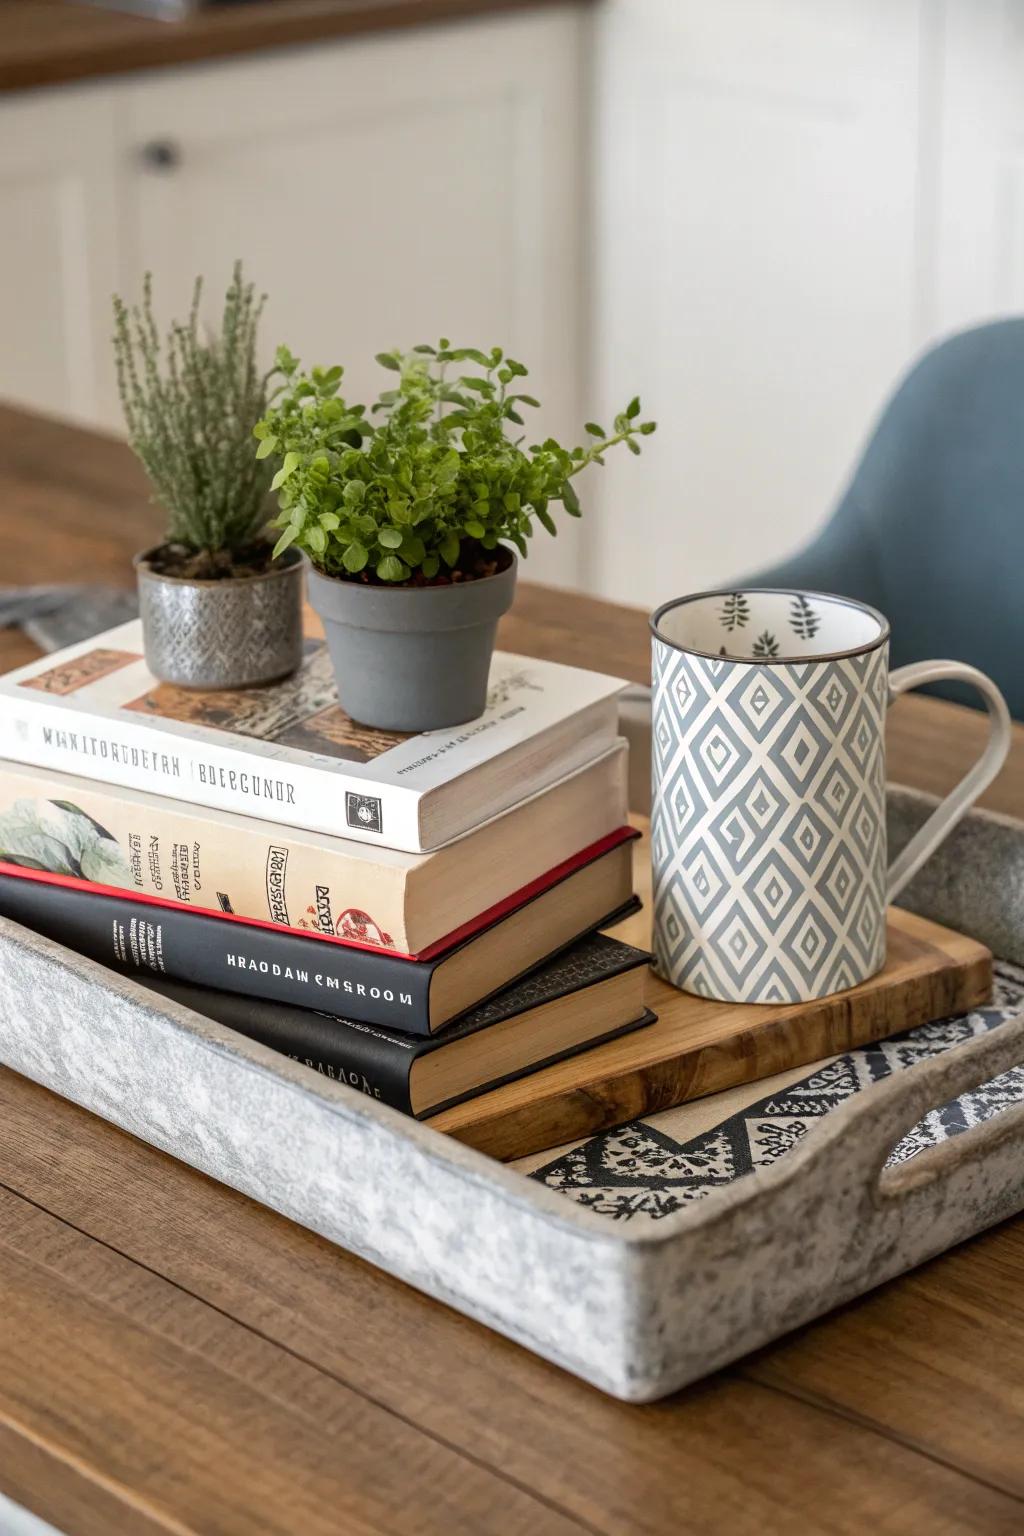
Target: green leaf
x,y
389,360
290,533
482,386
633,408
316,539
647,427
474,529
354,492
330,521
261,429
526,399
633,446
545,519
391,538
392,569
449,549
431,566
355,556
266,447
570,500
413,550
594,430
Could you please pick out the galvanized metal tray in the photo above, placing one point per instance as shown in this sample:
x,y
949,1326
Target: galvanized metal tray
x,y
637,1309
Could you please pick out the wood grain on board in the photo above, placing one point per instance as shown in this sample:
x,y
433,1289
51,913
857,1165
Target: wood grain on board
x,y
699,1047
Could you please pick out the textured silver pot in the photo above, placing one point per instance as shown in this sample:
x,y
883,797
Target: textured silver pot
x,y
412,658
235,633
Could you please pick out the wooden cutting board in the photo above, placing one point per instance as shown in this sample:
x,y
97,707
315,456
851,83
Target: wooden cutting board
x,y
699,1047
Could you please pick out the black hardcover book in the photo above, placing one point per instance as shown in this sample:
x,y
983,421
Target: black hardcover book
x,y
282,966
592,992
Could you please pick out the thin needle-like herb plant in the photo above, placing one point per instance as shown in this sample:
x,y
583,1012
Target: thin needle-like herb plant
x,y
190,404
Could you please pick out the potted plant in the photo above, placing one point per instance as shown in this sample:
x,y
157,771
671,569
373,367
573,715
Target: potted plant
x,y
217,611
407,514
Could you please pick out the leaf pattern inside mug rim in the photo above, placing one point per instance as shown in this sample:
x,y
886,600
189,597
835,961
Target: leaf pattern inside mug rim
x,y
804,621
766,644
735,611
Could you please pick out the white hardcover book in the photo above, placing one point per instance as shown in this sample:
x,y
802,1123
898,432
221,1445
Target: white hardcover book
x,y
289,753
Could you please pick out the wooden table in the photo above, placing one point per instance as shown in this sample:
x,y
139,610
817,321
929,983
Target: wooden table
x,y
52,42
174,1358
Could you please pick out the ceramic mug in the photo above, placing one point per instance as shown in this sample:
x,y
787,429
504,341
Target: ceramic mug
x,y
768,837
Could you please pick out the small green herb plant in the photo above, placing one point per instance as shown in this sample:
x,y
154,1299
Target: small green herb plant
x,y
190,404
425,487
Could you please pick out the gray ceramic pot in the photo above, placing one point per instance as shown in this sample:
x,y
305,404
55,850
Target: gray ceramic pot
x,y
412,658
222,634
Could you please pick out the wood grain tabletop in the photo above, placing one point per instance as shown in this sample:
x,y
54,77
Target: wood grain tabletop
x,y
52,42
176,1359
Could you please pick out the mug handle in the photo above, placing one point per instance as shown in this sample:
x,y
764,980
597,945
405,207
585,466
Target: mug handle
x,y
959,800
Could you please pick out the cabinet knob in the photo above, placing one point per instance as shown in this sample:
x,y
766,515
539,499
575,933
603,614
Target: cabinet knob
x,y
161,155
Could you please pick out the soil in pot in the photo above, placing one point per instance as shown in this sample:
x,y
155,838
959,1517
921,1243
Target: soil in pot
x,y
182,564
475,564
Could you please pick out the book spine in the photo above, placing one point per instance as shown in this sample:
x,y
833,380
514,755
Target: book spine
x,y
167,849
354,1054
135,936
139,754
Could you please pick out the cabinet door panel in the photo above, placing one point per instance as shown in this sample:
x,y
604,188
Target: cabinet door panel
x,y
382,192
57,251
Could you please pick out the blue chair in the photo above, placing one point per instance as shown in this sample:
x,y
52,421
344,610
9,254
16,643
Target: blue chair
x,y
931,528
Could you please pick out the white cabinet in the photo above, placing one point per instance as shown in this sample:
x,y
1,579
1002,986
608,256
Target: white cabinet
x,y
383,191
58,250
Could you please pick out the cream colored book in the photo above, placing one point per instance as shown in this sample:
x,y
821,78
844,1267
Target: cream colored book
x,y
289,753
405,902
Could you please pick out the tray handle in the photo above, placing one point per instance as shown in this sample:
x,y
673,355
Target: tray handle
x,y
882,1117
847,1156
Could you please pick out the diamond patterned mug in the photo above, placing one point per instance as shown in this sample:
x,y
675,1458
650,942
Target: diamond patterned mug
x,y
768,841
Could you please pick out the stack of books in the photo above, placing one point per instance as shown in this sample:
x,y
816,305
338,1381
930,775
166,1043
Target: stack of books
x,y
417,917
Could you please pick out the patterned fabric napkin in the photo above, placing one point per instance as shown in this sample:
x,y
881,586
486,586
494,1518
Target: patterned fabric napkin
x,y
652,1167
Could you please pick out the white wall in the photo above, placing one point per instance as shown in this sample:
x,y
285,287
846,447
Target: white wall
x,y
791,199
